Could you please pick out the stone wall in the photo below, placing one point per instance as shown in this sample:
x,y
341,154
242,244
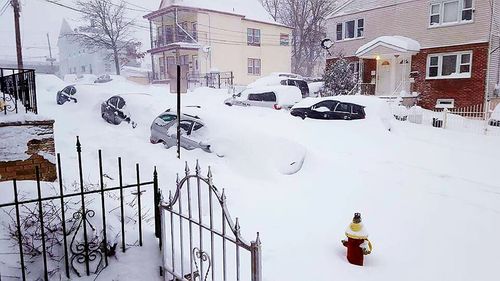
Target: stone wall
x,y
25,145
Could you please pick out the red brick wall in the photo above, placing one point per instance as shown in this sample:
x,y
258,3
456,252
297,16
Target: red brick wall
x,y
466,92
39,149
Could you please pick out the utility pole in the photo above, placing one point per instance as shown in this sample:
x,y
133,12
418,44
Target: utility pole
x,y
15,5
50,59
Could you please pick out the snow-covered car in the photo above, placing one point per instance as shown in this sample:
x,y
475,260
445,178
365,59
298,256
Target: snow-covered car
x,y
328,108
66,94
103,79
495,117
114,111
193,130
276,97
287,79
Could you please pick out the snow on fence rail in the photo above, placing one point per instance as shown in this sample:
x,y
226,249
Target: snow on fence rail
x,y
477,119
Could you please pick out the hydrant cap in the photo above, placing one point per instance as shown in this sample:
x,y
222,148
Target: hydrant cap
x,y
357,218
356,230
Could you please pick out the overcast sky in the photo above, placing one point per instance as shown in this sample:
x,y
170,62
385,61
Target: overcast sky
x,y
39,17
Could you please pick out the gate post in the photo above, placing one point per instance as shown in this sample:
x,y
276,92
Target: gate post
x,y
157,205
256,252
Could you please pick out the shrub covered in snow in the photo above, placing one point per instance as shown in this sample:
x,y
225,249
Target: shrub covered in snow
x,y
339,78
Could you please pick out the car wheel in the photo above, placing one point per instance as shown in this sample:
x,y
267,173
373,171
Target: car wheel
x,y
303,116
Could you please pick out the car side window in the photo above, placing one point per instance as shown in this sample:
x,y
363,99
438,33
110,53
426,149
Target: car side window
x,y
121,103
186,126
168,117
197,126
254,97
342,107
113,101
356,109
270,97
327,104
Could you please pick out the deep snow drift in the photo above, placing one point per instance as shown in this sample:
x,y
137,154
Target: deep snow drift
x,y
430,198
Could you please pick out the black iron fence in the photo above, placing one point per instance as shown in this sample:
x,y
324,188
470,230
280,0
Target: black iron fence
x,y
18,90
218,80
200,241
83,252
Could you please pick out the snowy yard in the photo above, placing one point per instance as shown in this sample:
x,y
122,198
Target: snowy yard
x,y
430,198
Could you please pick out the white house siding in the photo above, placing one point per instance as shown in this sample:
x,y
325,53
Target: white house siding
x,y
410,19
230,51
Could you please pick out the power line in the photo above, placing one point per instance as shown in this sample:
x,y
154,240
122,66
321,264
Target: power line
x,y
4,7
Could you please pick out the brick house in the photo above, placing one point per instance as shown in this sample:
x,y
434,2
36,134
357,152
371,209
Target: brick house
x,y
445,52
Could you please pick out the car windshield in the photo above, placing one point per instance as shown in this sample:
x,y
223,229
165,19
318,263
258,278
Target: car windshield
x,y
328,104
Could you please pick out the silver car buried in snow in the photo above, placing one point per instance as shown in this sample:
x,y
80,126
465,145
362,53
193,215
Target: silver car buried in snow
x,y
193,131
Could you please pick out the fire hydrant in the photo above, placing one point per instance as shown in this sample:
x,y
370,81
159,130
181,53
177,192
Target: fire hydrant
x,y
357,242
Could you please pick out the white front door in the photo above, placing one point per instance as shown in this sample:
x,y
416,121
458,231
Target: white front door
x,y
403,69
384,83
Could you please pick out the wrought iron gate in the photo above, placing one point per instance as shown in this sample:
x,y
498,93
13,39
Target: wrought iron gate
x,y
195,239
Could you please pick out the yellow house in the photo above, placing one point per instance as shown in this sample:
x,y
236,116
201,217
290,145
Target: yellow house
x,y
236,37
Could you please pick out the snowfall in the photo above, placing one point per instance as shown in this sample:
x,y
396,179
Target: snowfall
x,y
429,198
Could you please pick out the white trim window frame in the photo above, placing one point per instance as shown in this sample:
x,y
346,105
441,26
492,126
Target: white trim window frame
x,y
341,30
438,12
436,67
254,66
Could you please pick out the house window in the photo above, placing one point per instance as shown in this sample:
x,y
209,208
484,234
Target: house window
x,y
169,34
449,65
451,12
184,59
83,68
350,29
254,66
284,39
253,37
195,31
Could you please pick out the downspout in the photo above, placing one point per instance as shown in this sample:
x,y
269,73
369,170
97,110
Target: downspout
x,y
152,47
490,50
209,39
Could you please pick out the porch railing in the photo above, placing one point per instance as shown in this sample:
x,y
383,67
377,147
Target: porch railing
x,y
365,89
18,90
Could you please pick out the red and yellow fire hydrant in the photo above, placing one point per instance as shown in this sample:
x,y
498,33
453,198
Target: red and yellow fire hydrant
x,y
357,242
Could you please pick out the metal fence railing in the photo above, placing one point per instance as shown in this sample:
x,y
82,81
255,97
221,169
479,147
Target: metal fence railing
x,y
477,119
18,90
67,228
218,80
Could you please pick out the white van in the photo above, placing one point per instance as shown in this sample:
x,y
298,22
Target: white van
x,y
276,97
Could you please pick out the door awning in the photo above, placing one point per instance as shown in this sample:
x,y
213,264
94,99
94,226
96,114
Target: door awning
x,y
388,45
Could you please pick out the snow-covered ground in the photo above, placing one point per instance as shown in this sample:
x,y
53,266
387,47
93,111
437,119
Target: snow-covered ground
x,y
430,198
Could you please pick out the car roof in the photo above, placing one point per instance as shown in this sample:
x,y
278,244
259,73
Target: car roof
x,y
308,102
187,112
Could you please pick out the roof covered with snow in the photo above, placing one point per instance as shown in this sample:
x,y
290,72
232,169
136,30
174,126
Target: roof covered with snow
x,y
249,9
397,43
356,6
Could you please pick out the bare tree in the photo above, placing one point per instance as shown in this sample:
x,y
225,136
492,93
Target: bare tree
x,y
108,29
308,18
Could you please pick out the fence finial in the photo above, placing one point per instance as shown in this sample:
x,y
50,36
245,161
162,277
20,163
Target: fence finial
x,y
237,227
155,173
257,240
186,169
209,175
223,196
170,199
177,180
197,168
78,144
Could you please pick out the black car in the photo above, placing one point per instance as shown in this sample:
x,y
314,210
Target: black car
x,y
113,111
66,94
330,109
